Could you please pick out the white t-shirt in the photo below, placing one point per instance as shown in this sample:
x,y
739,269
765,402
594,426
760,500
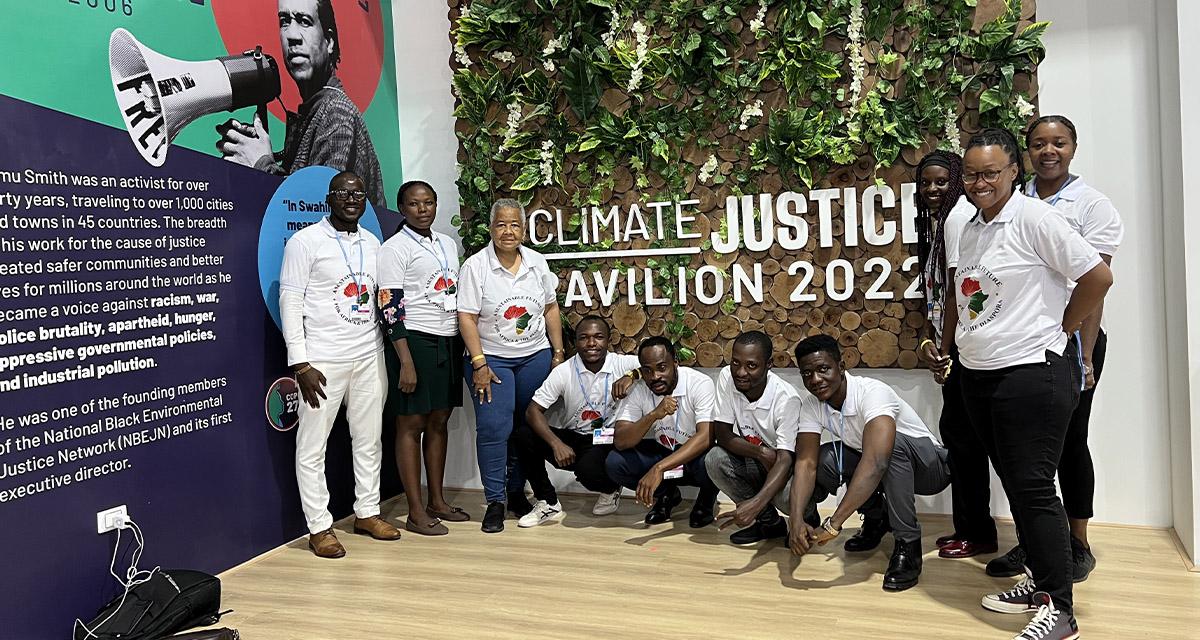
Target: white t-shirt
x,y
426,269
770,421
695,394
586,398
510,307
1013,282
335,271
956,219
866,399
1090,213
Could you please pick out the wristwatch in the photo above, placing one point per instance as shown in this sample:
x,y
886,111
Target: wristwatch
x,y
827,525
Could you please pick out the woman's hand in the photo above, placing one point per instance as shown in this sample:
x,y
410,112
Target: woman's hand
x,y
557,358
481,383
408,377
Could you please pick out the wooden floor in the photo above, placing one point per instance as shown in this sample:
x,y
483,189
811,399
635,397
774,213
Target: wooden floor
x,y
613,577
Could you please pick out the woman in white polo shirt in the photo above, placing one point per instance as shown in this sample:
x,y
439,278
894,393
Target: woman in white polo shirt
x,y
1051,142
418,281
509,318
1021,371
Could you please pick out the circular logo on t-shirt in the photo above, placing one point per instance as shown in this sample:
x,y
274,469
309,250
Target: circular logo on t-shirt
x,y
352,298
980,298
519,319
439,285
282,404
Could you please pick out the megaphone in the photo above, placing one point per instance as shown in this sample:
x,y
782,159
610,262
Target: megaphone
x,y
159,95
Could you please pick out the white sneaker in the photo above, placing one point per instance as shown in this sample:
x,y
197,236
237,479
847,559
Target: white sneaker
x,y
542,512
607,503
1019,599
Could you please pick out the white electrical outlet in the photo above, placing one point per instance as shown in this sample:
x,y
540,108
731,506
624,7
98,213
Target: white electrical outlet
x,y
111,519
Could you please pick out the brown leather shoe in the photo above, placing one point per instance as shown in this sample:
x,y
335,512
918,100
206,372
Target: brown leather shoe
x,y
377,528
325,545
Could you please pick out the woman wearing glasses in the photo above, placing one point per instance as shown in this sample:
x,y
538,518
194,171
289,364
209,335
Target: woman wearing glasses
x,y
509,318
418,284
1051,143
1022,373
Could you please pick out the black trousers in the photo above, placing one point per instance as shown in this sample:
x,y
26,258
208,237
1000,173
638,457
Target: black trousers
x,y
1021,414
970,482
1076,474
534,453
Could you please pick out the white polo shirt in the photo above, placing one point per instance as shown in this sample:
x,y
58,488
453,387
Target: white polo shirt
x,y
1090,213
769,421
510,307
1013,282
586,398
426,269
956,219
695,394
335,271
866,399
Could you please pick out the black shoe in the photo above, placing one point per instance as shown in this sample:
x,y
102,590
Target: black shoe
x,y
1083,559
1008,565
760,531
493,520
904,568
812,518
518,504
868,536
703,511
661,511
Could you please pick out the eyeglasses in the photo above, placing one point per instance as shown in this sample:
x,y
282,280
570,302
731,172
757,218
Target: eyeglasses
x,y
343,194
989,177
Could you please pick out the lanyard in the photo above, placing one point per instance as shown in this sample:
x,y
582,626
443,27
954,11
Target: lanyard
x,y
839,449
1058,194
346,258
587,398
443,261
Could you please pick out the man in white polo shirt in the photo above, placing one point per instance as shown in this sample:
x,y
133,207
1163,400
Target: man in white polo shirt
x,y
755,427
327,302
878,438
673,406
580,398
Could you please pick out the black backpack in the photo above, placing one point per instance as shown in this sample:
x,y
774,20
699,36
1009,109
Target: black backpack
x,y
172,600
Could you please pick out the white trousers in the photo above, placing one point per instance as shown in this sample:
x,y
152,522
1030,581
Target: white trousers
x,y
360,385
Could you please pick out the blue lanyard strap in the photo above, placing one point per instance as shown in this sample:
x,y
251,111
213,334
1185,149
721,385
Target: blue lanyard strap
x,y
1032,191
839,449
1079,359
587,398
444,261
346,258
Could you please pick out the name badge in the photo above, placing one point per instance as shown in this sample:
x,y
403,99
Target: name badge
x,y
365,310
450,302
673,474
603,436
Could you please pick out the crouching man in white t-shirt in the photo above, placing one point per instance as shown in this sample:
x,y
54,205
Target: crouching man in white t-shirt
x,y
878,438
327,303
755,427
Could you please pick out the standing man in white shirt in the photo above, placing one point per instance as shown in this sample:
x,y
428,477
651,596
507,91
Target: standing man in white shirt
x,y
582,389
755,427
674,406
878,439
327,302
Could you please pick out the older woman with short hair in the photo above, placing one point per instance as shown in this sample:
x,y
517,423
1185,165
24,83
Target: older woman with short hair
x,y
509,318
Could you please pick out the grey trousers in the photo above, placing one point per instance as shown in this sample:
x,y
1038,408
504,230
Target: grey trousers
x,y
918,466
742,478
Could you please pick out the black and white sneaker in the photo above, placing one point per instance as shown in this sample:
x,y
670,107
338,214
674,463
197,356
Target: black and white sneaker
x,y
1019,599
1049,623
542,512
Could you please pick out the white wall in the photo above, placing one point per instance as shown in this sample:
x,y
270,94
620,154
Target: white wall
x,y
1101,71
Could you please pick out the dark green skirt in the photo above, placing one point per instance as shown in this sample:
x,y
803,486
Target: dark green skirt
x,y
439,364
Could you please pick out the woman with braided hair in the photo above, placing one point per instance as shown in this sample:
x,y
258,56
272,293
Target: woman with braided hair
x,y
1021,371
942,211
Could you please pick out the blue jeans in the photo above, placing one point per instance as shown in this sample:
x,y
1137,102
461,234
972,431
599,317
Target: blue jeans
x,y
627,467
495,420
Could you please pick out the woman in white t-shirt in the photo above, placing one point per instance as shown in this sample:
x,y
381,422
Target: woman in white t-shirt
x,y
1021,371
509,318
418,281
1051,142
942,211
